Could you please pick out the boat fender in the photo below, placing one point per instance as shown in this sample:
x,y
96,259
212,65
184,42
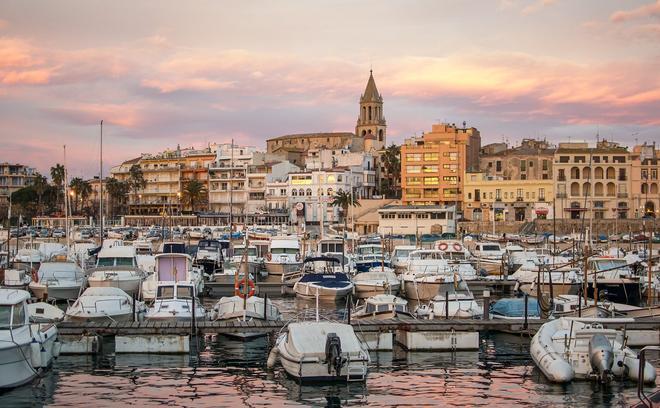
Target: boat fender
x,y
45,356
601,355
57,347
35,353
272,357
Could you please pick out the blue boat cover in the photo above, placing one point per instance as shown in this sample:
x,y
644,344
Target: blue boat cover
x,y
515,307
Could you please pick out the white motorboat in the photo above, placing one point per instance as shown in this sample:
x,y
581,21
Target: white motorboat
x,y
57,280
26,349
581,348
242,308
283,256
172,267
614,279
376,281
102,304
38,251
565,281
399,257
142,247
457,304
368,256
323,282
209,255
174,302
117,267
458,257
16,279
427,275
253,261
321,351
381,307
488,252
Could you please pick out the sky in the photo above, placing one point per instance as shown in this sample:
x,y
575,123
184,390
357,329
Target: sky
x,y
161,73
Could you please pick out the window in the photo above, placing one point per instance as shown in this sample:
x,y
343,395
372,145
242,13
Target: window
x,y
309,192
430,169
531,164
523,177
561,175
18,315
449,192
453,156
414,181
431,181
523,165
450,179
469,196
431,156
544,177
490,195
414,169
498,166
490,165
413,156
477,195
498,194
545,165
579,159
527,195
451,167
542,194
506,195
654,174
563,159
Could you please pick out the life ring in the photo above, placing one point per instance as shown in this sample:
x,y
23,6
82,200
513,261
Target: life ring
x,y
458,247
239,289
442,246
269,256
35,276
298,256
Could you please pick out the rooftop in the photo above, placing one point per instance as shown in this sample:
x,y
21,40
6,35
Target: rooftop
x,y
309,135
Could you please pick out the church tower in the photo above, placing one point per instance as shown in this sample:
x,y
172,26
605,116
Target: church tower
x,y
371,126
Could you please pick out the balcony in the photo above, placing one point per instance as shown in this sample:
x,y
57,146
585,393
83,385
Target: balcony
x,y
519,199
561,178
560,195
623,178
622,195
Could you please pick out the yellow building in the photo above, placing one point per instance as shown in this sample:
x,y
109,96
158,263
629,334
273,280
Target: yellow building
x,y
486,197
432,165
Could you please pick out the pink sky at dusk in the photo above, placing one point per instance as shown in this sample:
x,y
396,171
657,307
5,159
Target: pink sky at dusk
x,y
162,73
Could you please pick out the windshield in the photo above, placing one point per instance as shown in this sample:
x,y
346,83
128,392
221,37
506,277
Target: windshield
x,y
184,292
208,245
166,292
603,264
280,251
456,256
402,253
370,250
490,248
241,251
124,261
331,247
5,316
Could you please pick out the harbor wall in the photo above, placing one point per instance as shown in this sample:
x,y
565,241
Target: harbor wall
x,y
607,226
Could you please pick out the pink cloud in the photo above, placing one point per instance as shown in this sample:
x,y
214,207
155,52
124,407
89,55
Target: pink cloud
x,y
192,84
124,115
537,6
33,77
649,10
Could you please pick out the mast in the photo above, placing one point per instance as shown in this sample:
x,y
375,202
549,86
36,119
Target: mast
x,y
101,187
66,200
231,190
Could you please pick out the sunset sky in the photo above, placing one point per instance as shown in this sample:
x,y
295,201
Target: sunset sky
x,y
191,72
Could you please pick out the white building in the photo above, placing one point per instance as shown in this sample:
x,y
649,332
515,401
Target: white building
x,y
236,179
358,162
416,220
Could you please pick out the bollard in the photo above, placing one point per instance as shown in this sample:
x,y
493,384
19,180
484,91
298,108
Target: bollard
x,y
525,324
486,296
447,305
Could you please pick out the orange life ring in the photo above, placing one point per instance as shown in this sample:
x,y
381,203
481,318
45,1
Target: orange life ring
x,y
457,247
35,276
269,256
442,246
239,290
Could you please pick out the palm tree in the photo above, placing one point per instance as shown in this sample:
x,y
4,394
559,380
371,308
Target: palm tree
x,y
391,158
193,193
344,200
136,179
40,185
76,188
117,191
57,174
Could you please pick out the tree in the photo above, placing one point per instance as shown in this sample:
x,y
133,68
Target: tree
x,y
136,179
194,192
344,200
40,186
117,192
390,183
57,174
82,190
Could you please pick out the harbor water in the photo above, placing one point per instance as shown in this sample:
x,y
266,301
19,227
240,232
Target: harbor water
x,y
223,372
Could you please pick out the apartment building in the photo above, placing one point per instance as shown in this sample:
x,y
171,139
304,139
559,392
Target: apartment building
x,y
433,165
532,160
13,177
230,187
645,181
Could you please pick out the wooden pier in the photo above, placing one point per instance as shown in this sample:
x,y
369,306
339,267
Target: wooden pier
x,y
365,326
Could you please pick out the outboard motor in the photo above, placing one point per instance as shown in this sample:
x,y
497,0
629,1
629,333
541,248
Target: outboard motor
x,y
601,356
333,353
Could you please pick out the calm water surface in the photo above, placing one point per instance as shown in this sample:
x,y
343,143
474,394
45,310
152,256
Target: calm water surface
x,y
229,373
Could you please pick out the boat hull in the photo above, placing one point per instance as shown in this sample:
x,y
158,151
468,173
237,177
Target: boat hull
x,y
276,268
55,292
365,290
309,291
557,288
627,292
422,290
98,318
130,286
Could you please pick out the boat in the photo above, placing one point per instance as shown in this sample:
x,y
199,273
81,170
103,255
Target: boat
x,y
26,349
514,309
142,247
368,256
321,351
488,252
176,301
16,278
172,267
323,281
243,308
458,257
381,307
283,256
35,252
375,282
57,280
570,348
428,274
253,262
614,280
399,257
117,267
565,281
209,255
458,303
105,304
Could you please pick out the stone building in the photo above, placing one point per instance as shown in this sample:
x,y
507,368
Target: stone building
x,y
13,177
532,160
645,182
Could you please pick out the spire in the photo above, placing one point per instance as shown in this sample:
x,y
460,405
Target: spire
x,y
371,92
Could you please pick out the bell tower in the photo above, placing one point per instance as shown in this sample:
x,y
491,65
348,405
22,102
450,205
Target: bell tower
x,y
371,126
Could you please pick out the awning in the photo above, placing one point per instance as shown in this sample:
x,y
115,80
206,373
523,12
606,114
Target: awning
x,y
541,211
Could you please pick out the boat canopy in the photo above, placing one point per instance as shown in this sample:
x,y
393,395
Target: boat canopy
x,y
327,279
515,307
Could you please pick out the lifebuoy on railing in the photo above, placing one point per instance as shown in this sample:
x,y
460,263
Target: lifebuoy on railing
x,y
239,289
269,256
457,247
442,246
35,276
